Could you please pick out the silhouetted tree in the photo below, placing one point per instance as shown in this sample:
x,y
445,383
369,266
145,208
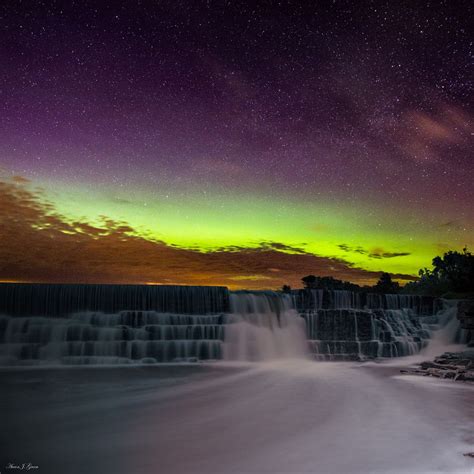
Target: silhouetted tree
x,y
286,289
454,272
310,281
328,283
457,268
386,285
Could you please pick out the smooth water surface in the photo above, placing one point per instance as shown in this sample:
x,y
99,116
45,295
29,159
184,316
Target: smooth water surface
x,y
286,416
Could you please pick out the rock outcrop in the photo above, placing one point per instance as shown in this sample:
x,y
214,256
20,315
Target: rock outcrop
x,y
450,365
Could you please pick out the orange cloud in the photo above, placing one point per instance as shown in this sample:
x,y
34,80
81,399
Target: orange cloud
x,y
37,244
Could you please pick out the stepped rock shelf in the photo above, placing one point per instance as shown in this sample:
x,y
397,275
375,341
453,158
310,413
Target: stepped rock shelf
x,y
106,324
344,325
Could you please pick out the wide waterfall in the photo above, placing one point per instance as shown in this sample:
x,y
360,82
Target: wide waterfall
x,y
63,299
264,326
257,326
109,324
119,338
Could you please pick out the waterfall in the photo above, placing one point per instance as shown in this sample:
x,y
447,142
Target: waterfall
x,y
109,324
342,299
447,332
120,338
351,326
317,298
259,326
263,326
356,334
64,299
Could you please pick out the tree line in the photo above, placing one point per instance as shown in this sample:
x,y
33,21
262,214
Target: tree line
x,y
451,275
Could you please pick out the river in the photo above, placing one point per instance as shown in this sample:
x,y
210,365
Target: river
x,y
286,416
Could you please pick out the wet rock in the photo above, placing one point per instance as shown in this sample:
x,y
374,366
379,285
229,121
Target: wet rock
x,y
467,376
450,365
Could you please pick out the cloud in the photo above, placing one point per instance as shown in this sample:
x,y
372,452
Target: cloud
x,y
249,278
374,253
265,245
378,254
431,136
348,248
281,247
38,244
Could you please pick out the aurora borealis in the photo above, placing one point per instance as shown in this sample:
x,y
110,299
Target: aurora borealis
x,y
189,142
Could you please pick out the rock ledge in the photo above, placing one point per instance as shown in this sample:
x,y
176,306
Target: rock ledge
x,y
450,365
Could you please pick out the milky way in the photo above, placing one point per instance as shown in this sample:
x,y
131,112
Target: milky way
x,y
233,143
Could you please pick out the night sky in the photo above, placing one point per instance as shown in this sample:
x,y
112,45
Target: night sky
x,y
223,142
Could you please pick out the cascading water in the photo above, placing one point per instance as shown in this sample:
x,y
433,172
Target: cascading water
x,y
36,299
263,326
358,326
110,324
121,338
259,326
446,331
94,324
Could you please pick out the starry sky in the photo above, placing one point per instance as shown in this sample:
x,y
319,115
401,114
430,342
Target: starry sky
x,y
237,143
